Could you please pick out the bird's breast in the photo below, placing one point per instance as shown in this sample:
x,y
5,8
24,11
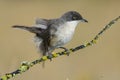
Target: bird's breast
x,y
66,31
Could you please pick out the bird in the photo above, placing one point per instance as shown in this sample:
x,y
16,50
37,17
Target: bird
x,y
51,34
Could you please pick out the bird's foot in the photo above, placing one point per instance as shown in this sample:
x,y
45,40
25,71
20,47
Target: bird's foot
x,y
66,50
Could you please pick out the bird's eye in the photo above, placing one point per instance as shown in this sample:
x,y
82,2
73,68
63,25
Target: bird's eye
x,y
74,18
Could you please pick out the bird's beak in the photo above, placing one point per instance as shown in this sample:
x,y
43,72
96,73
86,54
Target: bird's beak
x,y
84,20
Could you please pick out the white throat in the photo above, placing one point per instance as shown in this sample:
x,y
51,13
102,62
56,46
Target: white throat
x,y
72,24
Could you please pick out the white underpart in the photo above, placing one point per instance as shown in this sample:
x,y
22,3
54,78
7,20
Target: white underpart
x,y
65,32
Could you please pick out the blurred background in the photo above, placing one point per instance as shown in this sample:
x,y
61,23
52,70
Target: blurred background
x,y
98,62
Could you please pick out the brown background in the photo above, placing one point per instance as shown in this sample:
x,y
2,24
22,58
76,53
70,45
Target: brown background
x,y
98,62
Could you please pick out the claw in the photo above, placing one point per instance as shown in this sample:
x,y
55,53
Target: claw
x,y
66,50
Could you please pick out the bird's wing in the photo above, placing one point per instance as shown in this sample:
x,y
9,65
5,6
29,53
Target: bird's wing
x,y
39,27
41,23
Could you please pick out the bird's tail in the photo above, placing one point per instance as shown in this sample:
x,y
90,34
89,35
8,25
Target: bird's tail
x,y
30,29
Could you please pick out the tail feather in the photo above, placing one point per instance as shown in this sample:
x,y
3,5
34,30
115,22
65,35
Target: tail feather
x,y
30,29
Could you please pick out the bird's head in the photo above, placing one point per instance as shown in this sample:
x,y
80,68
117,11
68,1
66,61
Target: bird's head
x,y
73,16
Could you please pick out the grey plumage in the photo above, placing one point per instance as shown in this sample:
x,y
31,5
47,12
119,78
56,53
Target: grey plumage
x,y
54,33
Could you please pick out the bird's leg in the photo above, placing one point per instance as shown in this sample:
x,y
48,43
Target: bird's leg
x,y
50,56
66,50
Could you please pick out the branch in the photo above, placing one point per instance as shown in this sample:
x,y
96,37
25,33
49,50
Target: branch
x,y
27,65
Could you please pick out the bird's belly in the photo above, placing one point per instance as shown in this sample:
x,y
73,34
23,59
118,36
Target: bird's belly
x,y
64,36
